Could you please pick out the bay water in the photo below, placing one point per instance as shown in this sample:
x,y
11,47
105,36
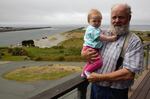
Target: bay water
x,y
15,37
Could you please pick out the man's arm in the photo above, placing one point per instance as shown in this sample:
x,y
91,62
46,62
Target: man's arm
x,y
122,74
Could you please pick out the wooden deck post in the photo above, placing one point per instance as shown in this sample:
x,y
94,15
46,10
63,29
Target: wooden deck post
x,y
82,90
147,56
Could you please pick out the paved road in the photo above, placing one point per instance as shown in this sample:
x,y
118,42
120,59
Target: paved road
x,y
23,90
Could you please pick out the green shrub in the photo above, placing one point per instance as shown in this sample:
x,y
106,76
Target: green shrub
x,y
38,59
17,51
61,58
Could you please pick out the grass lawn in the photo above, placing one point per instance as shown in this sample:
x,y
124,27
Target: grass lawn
x,y
34,73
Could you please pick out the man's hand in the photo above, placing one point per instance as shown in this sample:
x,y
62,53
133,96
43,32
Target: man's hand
x,y
90,54
93,77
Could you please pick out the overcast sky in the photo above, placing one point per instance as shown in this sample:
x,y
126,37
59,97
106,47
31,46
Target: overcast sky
x,y
65,12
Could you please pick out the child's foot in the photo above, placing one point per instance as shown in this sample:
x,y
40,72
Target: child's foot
x,y
83,75
87,73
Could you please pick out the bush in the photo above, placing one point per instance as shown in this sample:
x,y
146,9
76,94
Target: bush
x,y
0,55
18,51
61,58
57,47
38,59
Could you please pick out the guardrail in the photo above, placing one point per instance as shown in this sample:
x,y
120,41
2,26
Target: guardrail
x,y
59,90
76,82
147,48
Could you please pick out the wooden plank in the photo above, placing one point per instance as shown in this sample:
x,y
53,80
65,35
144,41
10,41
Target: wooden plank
x,y
148,95
145,44
138,91
144,91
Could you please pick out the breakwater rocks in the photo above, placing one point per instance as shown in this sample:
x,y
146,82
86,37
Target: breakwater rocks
x,y
6,29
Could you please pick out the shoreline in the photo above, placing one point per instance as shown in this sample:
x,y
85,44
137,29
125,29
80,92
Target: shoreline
x,y
45,41
55,39
9,29
50,41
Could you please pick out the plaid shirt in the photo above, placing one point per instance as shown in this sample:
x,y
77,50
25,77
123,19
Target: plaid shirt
x,y
133,59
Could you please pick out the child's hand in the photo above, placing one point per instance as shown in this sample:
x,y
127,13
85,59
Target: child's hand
x,y
113,34
114,38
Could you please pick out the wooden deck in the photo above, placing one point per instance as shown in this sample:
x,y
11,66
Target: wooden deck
x,y
143,90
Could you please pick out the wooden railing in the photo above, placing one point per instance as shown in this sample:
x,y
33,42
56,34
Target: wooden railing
x,y
76,82
61,89
147,48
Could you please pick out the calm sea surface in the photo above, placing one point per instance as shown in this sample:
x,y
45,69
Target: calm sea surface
x,y
134,27
14,37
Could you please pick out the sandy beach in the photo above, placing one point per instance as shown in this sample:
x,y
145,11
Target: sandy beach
x,y
55,39
50,41
3,62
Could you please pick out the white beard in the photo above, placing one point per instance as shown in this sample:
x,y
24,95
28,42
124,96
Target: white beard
x,y
119,30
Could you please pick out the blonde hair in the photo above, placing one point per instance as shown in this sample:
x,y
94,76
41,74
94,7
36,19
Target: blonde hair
x,y
94,12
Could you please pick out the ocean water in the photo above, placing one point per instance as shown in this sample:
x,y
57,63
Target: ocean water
x,y
132,27
15,37
140,27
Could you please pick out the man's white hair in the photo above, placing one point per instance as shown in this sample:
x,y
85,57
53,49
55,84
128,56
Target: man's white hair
x,y
127,7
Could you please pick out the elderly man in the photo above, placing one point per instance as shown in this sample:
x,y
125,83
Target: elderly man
x,y
112,80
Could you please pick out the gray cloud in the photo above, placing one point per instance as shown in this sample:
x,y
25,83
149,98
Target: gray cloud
x,y
55,12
